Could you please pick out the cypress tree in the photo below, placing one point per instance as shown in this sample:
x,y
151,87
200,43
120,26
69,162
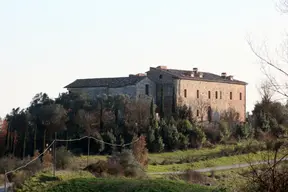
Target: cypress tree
x,y
162,101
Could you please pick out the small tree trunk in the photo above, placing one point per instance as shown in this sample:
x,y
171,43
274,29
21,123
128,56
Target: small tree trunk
x,y
8,138
101,116
24,144
44,140
14,142
11,141
66,139
35,139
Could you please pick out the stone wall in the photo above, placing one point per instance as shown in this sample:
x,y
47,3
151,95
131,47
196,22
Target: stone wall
x,y
141,89
165,82
219,104
134,91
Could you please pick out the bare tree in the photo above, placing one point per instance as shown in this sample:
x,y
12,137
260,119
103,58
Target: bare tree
x,y
272,174
265,91
202,107
136,113
230,115
282,6
277,65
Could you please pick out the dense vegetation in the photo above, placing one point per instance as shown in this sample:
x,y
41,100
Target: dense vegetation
x,y
125,185
117,119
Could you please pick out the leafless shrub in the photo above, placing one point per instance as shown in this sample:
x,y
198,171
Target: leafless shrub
x,y
140,151
272,176
196,177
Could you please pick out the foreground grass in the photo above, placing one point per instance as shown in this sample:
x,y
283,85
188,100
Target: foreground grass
x,y
45,180
126,185
84,181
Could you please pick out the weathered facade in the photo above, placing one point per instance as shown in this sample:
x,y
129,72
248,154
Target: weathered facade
x,y
208,94
135,86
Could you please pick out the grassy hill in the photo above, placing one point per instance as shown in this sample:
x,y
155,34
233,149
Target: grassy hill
x,y
74,181
125,185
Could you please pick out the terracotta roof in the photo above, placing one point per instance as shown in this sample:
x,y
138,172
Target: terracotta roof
x,y
106,82
182,74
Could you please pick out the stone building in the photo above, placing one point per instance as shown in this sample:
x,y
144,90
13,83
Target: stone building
x,y
135,86
208,94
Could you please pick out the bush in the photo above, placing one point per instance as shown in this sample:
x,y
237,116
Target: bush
x,y
63,158
119,164
184,126
183,141
19,178
224,130
140,151
250,147
242,131
33,167
128,163
47,160
7,163
97,169
212,134
272,176
195,177
200,136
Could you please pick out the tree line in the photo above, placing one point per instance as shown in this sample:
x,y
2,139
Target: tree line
x,y
117,119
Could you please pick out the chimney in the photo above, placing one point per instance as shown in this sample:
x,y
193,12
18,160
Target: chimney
x,y
138,74
223,75
200,74
195,69
188,73
162,67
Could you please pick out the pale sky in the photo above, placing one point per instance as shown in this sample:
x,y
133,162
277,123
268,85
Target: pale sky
x,y
45,45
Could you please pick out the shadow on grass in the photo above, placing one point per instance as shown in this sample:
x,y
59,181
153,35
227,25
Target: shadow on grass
x,y
47,178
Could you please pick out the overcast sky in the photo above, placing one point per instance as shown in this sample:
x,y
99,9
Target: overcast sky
x,y
45,45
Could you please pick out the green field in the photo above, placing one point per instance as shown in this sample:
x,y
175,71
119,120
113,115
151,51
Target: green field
x,y
236,159
175,161
126,185
73,179
84,181
172,157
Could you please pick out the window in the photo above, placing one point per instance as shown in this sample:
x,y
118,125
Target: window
x,y
231,95
216,94
197,113
160,76
185,93
147,89
240,95
197,93
209,94
220,94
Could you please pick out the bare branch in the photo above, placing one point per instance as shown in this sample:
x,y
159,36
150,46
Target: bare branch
x,y
267,61
282,6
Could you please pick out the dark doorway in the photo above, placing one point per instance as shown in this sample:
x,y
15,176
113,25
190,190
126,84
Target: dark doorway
x,y
209,114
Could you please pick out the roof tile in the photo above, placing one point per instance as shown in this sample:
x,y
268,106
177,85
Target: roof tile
x,y
106,82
